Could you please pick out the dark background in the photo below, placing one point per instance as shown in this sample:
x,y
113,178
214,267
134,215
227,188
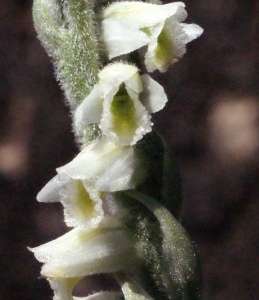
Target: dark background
x,y
211,124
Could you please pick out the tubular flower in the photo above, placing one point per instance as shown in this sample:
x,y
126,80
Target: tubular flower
x,y
100,167
121,102
83,252
127,26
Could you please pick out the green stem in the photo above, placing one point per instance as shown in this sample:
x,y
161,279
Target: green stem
x,y
69,34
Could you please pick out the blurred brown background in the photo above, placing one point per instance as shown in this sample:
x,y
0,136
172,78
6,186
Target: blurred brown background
x,y
211,125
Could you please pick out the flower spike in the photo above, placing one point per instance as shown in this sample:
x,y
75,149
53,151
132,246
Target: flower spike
x,y
107,190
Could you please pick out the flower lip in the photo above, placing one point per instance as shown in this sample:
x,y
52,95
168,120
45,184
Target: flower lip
x,y
81,201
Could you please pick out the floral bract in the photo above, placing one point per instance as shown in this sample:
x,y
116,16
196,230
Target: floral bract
x,y
127,26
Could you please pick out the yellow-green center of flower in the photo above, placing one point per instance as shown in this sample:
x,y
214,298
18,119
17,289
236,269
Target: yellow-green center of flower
x,y
124,121
164,53
84,208
147,30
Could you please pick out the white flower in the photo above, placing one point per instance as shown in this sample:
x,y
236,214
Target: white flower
x,y
127,26
122,101
81,252
81,201
100,167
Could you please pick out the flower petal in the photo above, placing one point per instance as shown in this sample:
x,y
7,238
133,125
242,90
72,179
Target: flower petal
x,y
92,161
121,39
112,76
182,34
139,14
90,110
50,192
153,97
102,166
134,83
192,32
126,173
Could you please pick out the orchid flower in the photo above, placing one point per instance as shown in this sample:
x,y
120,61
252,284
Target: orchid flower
x,y
121,102
100,167
127,26
82,252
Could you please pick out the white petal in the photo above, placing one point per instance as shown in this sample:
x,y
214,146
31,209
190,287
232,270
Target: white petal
x,y
182,34
50,192
92,161
90,110
180,15
126,173
112,76
139,14
153,97
134,83
83,252
121,39
192,31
